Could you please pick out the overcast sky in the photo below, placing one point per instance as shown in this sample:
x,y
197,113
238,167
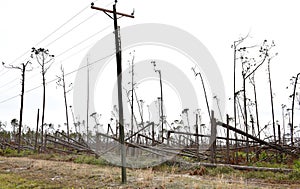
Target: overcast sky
x,y
215,23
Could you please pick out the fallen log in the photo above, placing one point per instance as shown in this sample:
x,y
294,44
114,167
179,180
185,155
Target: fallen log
x,y
274,146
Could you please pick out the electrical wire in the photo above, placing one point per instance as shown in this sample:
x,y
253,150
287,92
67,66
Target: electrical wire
x,y
83,41
9,82
60,55
51,81
4,73
65,23
57,29
2,69
53,32
71,29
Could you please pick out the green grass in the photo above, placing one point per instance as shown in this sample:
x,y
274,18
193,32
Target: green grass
x,y
220,170
270,165
8,152
89,160
13,181
166,167
228,172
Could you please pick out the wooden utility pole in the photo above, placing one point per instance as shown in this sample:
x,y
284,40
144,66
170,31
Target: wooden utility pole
x,y
119,75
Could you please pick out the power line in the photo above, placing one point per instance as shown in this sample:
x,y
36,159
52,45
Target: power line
x,y
8,83
65,23
60,55
57,29
8,89
70,30
4,73
51,81
61,26
77,52
83,41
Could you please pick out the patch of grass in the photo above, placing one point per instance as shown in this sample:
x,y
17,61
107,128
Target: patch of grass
x,y
220,171
270,165
295,175
43,156
12,181
89,160
259,174
8,152
296,165
83,159
167,167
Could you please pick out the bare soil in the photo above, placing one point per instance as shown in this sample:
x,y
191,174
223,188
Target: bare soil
x,y
24,172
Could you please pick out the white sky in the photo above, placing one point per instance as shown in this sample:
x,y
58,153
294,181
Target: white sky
x,y
215,23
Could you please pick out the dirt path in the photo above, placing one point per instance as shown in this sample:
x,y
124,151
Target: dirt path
x,y
32,173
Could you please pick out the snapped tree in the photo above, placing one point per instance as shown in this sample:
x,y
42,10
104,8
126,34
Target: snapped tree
x,y
23,68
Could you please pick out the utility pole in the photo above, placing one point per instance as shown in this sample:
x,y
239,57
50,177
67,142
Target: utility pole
x,y
119,75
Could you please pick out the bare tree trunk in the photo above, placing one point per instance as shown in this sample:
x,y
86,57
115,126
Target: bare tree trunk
x,y
293,104
43,110
66,104
21,109
245,118
43,58
234,101
272,105
256,104
37,130
283,123
23,70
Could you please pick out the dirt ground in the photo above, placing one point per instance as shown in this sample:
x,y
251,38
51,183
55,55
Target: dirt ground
x,y
33,173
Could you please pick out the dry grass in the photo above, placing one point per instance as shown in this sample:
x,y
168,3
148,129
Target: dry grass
x,y
34,173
